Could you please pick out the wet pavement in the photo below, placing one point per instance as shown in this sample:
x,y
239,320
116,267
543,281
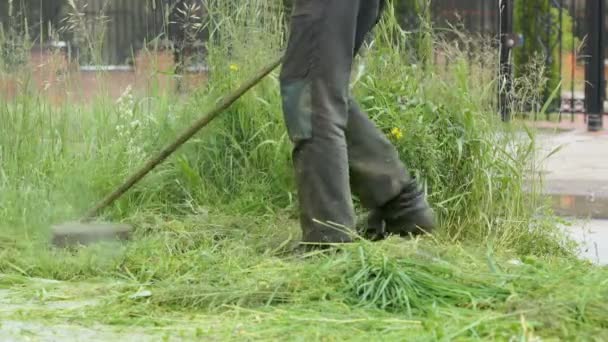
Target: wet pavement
x,y
593,239
576,178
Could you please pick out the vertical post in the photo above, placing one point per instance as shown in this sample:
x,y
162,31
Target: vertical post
x,y
560,51
483,17
505,70
595,92
482,63
574,58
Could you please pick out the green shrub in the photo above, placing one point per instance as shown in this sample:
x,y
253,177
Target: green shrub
x,y
538,21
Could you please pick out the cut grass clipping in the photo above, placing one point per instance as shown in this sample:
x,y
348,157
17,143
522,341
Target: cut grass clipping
x,y
395,289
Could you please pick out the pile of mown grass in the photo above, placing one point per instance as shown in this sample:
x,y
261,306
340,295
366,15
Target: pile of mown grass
x,y
221,272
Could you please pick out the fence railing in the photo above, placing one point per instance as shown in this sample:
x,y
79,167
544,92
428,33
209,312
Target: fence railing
x,y
113,32
122,27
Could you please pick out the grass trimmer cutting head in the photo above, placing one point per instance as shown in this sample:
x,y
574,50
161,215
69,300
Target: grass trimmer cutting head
x,y
79,233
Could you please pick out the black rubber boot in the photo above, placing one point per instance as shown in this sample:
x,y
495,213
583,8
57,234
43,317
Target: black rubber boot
x,y
408,214
374,227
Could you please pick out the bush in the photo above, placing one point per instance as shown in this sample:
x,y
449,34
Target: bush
x,y
532,17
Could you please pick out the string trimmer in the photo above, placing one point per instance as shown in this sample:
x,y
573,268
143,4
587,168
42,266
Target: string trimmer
x,y
85,231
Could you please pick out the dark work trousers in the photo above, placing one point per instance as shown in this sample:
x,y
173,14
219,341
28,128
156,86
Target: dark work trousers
x,y
337,148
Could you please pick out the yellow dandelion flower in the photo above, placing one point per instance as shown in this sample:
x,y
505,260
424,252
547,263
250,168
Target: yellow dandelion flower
x,y
234,67
397,133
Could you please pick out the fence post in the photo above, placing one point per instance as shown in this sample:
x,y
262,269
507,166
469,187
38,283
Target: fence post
x,y
595,87
505,69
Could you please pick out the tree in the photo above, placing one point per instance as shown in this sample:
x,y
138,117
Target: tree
x,y
539,23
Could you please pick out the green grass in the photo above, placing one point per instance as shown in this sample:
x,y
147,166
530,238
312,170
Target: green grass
x,y
216,223
244,287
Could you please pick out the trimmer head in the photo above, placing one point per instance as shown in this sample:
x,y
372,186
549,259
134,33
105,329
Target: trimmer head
x,y
79,233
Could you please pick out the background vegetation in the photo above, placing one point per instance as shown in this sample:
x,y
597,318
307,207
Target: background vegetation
x,y
539,21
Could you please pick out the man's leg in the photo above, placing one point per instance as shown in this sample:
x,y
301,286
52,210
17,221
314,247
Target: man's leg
x,y
378,176
383,183
314,85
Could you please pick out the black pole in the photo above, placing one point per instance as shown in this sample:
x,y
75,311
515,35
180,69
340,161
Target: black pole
x,y
595,86
506,69
483,17
561,50
574,58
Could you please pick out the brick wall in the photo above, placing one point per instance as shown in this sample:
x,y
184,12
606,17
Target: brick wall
x,y
52,76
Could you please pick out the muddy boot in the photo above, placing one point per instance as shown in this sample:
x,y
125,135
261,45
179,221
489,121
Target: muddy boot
x,y
373,228
408,214
383,183
411,223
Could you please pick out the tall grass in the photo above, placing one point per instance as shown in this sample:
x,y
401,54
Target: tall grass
x,y
57,160
216,221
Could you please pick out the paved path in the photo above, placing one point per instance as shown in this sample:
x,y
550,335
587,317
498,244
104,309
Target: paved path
x,y
576,178
583,157
577,175
569,122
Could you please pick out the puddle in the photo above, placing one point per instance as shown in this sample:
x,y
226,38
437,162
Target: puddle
x,y
592,237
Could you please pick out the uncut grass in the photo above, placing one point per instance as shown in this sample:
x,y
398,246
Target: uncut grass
x,y
215,222
57,161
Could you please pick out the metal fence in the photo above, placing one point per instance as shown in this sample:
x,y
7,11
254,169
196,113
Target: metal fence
x,y
106,32
477,16
570,36
125,27
555,29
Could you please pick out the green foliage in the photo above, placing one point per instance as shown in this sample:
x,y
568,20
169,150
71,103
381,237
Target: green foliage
x,y
414,18
287,5
532,17
412,14
472,166
14,39
225,272
453,142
